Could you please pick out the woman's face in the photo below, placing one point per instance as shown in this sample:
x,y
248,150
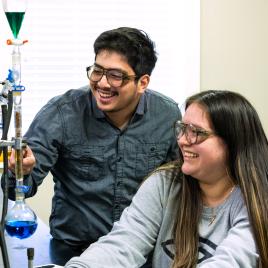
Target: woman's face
x,y
205,160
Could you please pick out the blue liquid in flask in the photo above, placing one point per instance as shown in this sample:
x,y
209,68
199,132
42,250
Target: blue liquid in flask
x,y
21,229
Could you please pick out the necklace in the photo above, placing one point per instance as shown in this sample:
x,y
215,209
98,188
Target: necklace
x,y
213,216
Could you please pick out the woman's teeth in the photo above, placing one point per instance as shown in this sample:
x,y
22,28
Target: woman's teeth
x,y
190,155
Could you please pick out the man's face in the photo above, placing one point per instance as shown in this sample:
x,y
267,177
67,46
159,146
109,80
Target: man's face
x,y
114,100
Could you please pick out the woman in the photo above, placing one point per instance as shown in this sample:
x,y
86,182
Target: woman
x,y
208,210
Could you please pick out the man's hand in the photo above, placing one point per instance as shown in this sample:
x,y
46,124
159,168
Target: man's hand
x,y
28,161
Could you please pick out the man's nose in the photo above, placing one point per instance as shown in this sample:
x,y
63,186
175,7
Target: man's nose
x,y
104,81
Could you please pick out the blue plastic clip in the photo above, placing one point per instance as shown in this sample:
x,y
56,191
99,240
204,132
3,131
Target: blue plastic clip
x,y
10,78
18,88
24,188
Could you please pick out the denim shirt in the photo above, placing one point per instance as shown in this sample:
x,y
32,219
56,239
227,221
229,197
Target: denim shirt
x,y
96,167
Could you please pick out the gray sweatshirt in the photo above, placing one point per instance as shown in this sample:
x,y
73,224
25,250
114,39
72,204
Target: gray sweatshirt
x,y
147,225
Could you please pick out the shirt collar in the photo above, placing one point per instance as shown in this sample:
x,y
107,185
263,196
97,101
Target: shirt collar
x,y
142,105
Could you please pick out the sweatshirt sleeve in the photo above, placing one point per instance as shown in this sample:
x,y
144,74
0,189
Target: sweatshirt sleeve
x,y
238,249
133,236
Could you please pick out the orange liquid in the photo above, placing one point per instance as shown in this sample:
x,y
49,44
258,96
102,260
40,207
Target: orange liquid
x,y
1,156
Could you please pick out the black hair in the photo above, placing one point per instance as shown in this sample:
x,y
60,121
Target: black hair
x,y
134,44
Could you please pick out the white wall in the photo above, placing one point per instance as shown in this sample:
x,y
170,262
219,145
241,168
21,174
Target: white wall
x,y
234,49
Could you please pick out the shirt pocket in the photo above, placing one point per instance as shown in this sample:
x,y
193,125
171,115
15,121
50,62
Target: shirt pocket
x,y
149,156
89,161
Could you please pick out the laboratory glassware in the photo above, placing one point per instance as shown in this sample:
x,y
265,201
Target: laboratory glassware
x,y
20,221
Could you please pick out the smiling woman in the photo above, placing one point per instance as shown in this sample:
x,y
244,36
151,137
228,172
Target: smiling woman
x,y
207,209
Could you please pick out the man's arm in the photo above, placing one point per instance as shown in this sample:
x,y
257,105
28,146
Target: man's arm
x,y
41,153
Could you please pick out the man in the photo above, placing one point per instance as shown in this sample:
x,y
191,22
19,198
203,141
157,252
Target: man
x,y
101,141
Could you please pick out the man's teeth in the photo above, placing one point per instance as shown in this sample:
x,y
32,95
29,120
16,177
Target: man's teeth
x,y
190,155
106,94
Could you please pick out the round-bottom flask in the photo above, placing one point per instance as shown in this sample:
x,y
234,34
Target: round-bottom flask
x,y
20,221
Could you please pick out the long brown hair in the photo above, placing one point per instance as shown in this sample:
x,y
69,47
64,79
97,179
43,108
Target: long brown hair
x,y
235,120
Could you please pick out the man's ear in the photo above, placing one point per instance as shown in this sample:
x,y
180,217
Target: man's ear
x,y
143,83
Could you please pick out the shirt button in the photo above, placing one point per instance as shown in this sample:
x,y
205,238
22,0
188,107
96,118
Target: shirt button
x,y
152,149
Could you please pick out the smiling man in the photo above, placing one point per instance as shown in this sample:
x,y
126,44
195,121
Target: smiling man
x,y
101,141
